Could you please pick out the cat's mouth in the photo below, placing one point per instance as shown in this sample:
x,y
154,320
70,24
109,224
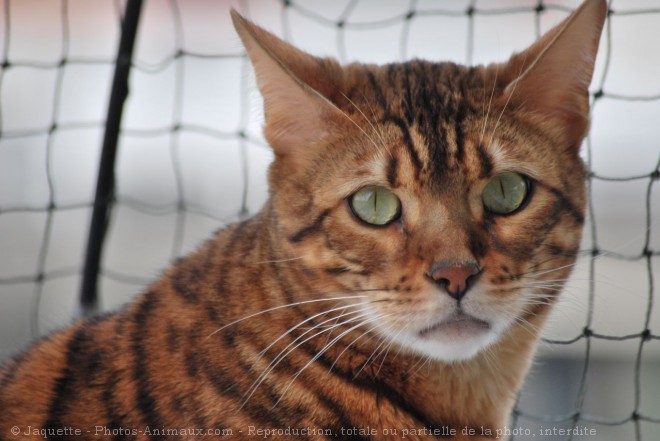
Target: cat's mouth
x,y
460,325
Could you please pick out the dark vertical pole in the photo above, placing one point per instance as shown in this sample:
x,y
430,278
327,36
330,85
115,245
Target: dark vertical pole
x,y
105,185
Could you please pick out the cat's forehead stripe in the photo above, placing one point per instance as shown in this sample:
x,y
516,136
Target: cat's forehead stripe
x,y
422,97
432,99
408,143
392,171
485,161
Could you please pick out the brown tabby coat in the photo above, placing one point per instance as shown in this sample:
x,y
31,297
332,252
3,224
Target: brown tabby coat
x,y
300,316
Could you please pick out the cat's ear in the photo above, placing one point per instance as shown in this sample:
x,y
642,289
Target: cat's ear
x,y
552,76
295,87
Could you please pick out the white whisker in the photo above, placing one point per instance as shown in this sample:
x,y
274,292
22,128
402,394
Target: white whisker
x,y
308,319
291,259
376,131
351,344
490,102
374,354
364,132
303,302
325,349
289,349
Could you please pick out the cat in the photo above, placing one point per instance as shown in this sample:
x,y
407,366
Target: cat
x,y
422,219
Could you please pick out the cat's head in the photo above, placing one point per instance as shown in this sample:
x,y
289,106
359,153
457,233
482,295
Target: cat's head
x,y
448,201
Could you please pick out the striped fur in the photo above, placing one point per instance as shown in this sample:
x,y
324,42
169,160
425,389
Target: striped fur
x,y
304,317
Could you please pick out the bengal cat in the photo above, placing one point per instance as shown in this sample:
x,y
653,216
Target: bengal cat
x,y
421,221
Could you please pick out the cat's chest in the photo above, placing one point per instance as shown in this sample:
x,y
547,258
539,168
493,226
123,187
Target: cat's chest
x,y
427,404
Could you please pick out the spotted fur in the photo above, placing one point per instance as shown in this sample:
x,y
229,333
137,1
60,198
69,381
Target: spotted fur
x,y
304,316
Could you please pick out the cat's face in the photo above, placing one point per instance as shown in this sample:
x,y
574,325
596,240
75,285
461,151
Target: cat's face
x,y
433,201
449,201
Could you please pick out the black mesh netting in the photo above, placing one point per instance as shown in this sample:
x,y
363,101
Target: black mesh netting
x,y
191,158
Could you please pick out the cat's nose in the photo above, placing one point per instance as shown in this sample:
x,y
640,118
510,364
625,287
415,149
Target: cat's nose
x,y
456,278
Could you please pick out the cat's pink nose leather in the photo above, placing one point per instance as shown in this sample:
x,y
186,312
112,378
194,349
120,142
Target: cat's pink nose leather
x,y
454,277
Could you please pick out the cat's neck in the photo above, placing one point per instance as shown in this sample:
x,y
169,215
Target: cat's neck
x,y
480,391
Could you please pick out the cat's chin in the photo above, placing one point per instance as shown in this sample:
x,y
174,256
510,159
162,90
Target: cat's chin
x,y
457,327
457,338
454,339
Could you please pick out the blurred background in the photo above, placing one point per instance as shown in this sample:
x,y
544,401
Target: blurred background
x,y
192,158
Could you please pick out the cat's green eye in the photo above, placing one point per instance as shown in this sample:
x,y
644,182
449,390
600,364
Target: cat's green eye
x,y
376,205
505,193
